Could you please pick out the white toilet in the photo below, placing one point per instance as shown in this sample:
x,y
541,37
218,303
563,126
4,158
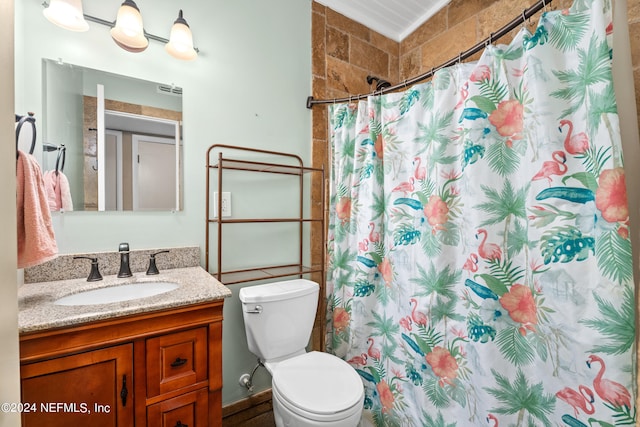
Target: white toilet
x,y
309,389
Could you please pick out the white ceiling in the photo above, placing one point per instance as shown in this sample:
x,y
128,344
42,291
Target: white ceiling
x,y
395,19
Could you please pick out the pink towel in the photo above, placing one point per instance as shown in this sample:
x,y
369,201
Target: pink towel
x,y
52,190
65,193
56,186
36,240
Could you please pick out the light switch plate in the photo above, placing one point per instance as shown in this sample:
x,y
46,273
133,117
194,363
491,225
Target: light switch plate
x,y
226,204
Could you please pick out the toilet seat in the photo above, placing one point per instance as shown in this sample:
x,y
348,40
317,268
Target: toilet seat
x,y
318,386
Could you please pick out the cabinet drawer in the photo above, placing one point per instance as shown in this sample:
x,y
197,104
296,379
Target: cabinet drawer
x,y
176,360
186,410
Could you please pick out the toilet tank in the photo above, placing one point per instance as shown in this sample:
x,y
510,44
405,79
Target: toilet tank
x,y
278,317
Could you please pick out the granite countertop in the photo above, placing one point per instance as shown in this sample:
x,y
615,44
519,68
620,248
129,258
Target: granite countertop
x,y
37,311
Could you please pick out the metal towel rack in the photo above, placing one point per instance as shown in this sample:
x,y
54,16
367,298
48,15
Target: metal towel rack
x,y
62,154
21,120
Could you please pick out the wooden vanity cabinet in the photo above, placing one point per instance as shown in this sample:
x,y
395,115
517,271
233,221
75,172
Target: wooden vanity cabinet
x,y
153,369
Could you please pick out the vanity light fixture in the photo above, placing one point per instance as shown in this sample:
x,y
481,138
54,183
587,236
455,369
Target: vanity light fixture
x,y
66,14
181,40
127,31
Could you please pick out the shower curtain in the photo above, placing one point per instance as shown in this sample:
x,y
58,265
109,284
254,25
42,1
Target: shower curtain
x,y
480,267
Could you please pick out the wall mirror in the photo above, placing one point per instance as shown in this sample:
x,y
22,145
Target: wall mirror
x,y
117,139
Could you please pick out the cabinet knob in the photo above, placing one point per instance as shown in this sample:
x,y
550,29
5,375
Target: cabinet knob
x,y
179,424
178,362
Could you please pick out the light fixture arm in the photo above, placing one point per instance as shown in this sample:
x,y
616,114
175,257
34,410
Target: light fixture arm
x,y
112,24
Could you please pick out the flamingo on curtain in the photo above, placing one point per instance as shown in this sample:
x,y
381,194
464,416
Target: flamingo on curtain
x,y
610,391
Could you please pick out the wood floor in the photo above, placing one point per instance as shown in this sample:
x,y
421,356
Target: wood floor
x,y
255,411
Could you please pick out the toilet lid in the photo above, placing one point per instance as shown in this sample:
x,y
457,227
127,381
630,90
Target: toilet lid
x,y
318,382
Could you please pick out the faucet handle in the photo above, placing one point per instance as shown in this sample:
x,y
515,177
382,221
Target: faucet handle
x,y
94,275
153,269
125,269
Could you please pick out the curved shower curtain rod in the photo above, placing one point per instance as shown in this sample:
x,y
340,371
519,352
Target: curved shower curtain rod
x,y
526,14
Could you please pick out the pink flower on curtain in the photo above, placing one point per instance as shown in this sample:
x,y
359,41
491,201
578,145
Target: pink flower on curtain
x,y
379,146
444,365
387,272
508,118
521,306
343,209
436,211
480,73
341,319
611,195
386,396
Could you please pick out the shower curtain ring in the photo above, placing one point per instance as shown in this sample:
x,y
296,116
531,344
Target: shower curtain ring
x,y
459,57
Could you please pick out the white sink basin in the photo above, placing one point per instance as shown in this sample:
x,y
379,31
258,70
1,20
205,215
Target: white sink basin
x,y
117,293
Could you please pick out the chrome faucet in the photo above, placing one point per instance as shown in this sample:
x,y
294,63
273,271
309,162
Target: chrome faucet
x,y
125,270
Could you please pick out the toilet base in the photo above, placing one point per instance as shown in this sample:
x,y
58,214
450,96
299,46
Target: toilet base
x,y
284,417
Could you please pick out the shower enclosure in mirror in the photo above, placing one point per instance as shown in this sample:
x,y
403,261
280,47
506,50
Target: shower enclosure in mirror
x,y
121,135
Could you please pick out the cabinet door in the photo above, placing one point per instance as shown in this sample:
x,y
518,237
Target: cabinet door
x,y
187,410
93,388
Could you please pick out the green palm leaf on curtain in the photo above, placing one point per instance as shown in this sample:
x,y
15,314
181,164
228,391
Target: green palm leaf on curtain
x,y
434,131
594,67
569,30
502,206
613,253
520,397
616,325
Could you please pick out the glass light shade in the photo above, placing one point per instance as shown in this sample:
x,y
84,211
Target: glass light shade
x,y
66,14
181,40
128,32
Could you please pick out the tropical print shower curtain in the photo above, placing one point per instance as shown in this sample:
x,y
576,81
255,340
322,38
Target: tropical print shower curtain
x,y
480,267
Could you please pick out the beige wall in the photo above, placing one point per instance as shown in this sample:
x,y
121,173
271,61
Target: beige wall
x,y
9,367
